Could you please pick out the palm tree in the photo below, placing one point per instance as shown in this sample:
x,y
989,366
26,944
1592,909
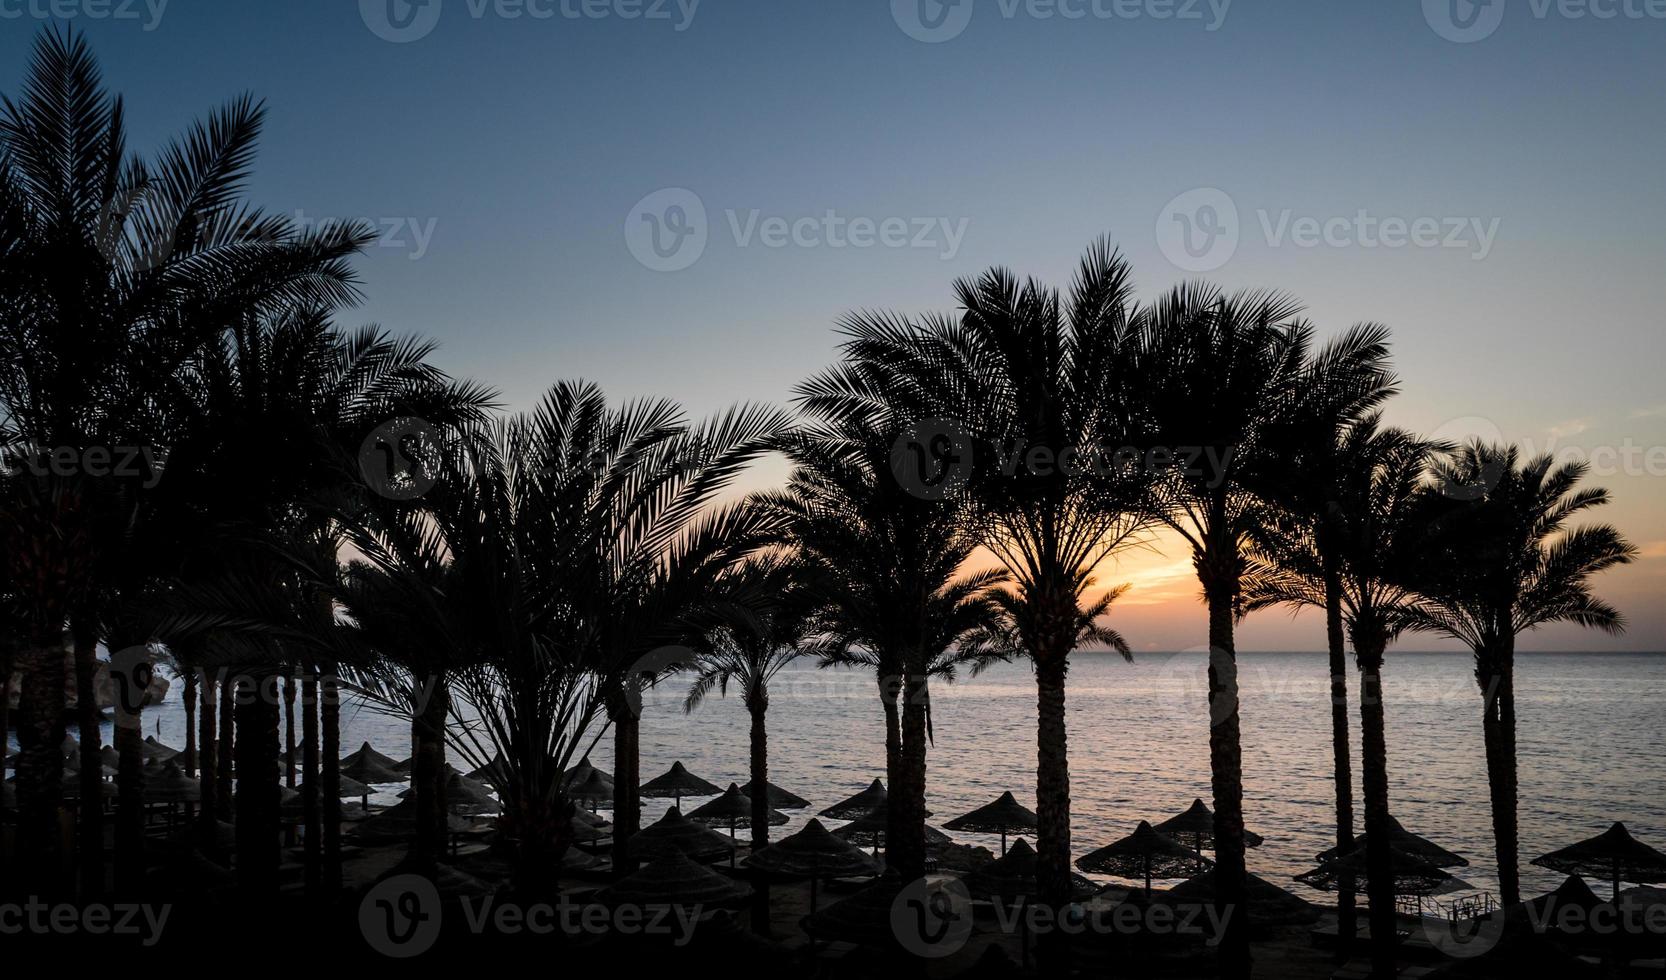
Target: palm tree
x,y
114,272
1501,559
747,649
1023,376
882,565
1375,525
1213,384
1308,522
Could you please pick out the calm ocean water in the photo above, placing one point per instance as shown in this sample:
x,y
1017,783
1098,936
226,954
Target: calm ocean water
x,y
1592,747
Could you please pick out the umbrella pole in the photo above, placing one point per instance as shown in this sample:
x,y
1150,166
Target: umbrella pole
x,y
1148,877
1616,880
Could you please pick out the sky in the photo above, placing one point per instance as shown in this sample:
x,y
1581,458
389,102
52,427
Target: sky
x,y
680,198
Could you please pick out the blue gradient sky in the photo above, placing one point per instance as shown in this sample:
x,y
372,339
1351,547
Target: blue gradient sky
x,y
521,145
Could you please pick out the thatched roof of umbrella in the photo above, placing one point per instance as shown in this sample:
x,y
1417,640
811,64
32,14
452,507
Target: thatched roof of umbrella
x,y
864,918
155,750
581,772
779,798
370,766
399,821
596,788
109,757
1004,816
171,785
1412,874
1573,892
462,794
1409,842
496,768
584,832
673,879
1012,875
675,833
1613,855
1272,905
732,809
813,852
1144,854
1196,827
858,805
677,782
869,829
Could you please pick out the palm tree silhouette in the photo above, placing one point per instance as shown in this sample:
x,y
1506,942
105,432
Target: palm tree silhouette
x,y
1375,523
1500,559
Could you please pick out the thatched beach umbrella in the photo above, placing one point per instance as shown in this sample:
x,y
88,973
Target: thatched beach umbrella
x,y
779,798
370,766
1613,855
109,757
1144,854
734,810
171,785
588,828
858,805
815,854
1274,906
1012,875
581,772
462,795
1004,816
673,879
495,772
869,830
400,821
155,751
1412,875
675,833
595,790
676,783
1407,841
1196,827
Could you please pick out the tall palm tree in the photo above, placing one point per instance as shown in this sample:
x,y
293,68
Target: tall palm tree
x,y
113,272
1214,383
1308,520
1023,376
1375,522
885,567
1500,560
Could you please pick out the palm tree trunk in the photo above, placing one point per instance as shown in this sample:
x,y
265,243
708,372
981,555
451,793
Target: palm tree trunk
x,y
428,777
228,750
330,777
1379,861
208,746
40,762
1498,727
890,686
311,824
289,728
1052,781
190,697
1343,774
256,702
90,842
130,806
627,781
758,707
1226,767
908,843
